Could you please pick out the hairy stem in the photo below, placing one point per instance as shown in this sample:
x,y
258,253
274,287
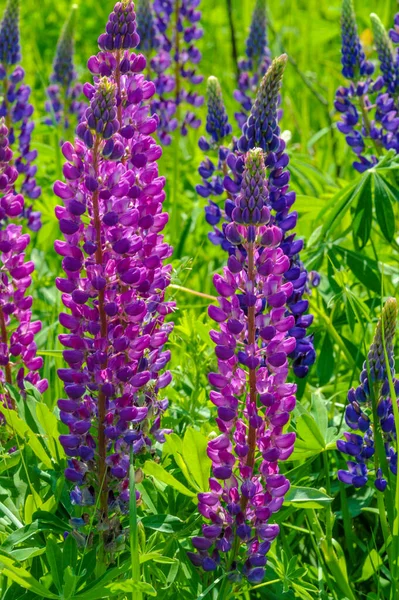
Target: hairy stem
x,y
102,452
118,85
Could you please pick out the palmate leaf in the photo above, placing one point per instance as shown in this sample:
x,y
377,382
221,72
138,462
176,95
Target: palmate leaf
x,y
363,214
383,208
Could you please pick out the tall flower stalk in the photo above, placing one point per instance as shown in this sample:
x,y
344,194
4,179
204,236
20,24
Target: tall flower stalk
x,y
115,279
261,331
174,68
254,66
369,412
16,109
252,396
64,92
18,361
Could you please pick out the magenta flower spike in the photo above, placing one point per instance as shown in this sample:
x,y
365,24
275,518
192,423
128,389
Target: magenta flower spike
x,y
251,392
115,277
18,360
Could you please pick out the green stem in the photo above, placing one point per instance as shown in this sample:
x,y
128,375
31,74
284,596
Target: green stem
x,y
181,288
134,542
334,334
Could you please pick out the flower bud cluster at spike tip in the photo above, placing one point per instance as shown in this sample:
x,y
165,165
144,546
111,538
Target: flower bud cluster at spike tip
x,y
259,130
64,91
120,31
254,67
251,202
226,178
174,67
17,111
100,117
115,280
374,389
251,392
217,121
386,55
10,52
18,360
146,26
353,58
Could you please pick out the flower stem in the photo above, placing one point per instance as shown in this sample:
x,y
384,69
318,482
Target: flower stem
x,y
181,288
134,542
118,84
102,452
4,339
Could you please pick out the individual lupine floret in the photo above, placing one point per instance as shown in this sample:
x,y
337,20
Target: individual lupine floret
x,y
255,65
225,178
175,66
17,110
64,92
18,360
115,279
353,59
252,396
374,388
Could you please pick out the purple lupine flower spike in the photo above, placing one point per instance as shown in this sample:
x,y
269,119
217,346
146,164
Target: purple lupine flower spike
x,y
146,29
18,360
115,279
175,66
64,92
368,106
17,110
251,392
10,51
359,415
254,67
262,130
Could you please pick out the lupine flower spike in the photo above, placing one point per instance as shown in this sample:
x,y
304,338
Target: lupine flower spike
x,y
115,279
149,39
251,392
17,110
368,106
225,178
256,63
174,66
64,93
18,361
374,389
217,120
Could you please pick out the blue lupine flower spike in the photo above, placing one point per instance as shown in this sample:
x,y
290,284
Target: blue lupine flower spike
x,y
10,51
217,121
386,54
353,58
359,442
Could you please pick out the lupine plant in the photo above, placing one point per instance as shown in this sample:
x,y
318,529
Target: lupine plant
x,y
64,103
17,110
368,105
115,279
175,66
254,66
18,360
252,395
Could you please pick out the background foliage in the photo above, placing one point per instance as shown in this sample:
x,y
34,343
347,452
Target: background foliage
x,y
330,544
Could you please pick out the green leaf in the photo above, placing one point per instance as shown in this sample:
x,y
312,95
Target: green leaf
x,y
158,558
164,523
309,439
23,578
158,472
132,586
196,458
362,267
383,208
54,557
363,214
306,497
